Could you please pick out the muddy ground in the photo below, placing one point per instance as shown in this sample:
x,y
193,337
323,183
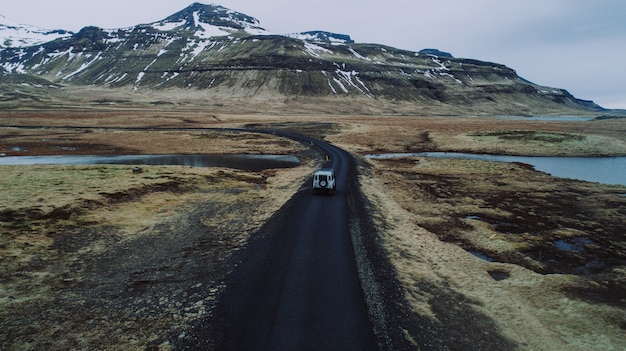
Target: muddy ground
x,y
99,257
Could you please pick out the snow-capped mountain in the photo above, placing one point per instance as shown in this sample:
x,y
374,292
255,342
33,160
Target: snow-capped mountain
x,y
20,35
228,54
208,21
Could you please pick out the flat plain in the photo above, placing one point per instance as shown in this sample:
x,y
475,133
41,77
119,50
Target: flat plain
x,y
101,257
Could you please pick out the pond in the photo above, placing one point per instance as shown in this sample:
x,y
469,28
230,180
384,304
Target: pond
x,y
547,118
254,163
607,170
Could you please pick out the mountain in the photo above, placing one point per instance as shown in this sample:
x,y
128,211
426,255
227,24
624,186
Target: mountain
x,y
436,52
322,36
20,35
206,21
225,54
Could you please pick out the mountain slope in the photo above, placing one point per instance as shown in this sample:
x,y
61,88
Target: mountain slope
x,y
20,35
226,53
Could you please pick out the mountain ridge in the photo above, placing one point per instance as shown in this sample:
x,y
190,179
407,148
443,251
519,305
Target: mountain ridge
x,y
226,53
19,35
200,17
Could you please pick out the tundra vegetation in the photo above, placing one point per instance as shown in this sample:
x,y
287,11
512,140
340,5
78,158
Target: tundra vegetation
x,y
101,257
482,255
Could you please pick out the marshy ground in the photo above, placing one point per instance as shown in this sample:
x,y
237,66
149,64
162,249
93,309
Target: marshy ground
x,y
101,257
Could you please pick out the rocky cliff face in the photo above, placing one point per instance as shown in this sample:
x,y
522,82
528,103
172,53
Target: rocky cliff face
x,y
223,52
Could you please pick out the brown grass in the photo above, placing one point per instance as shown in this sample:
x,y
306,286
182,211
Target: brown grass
x,y
55,253
63,229
430,213
434,212
430,235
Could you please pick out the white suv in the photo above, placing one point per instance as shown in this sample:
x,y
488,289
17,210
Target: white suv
x,y
324,180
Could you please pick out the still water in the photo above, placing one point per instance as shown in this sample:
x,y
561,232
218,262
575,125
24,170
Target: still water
x,y
252,163
547,118
607,170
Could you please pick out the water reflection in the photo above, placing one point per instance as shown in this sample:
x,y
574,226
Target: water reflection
x,y
574,244
252,163
607,170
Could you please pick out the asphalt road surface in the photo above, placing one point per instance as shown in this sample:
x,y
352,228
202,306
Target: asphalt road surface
x,y
297,285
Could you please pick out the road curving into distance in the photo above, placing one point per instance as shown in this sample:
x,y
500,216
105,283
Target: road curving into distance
x,y
296,285
316,276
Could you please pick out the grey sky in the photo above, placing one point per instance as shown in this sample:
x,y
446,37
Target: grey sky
x,y
578,45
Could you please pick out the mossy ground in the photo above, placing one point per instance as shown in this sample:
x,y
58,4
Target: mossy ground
x,y
101,257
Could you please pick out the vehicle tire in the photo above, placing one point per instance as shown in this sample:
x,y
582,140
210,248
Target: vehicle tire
x,y
323,183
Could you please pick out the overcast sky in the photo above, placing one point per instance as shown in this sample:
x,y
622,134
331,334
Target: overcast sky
x,y
577,45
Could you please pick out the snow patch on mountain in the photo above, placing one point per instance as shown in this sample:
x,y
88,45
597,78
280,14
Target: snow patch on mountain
x,y
321,36
208,21
84,66
351,78
23,35
167,26
315,50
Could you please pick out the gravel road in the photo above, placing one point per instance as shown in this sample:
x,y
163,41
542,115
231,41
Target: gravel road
x,y
297,285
